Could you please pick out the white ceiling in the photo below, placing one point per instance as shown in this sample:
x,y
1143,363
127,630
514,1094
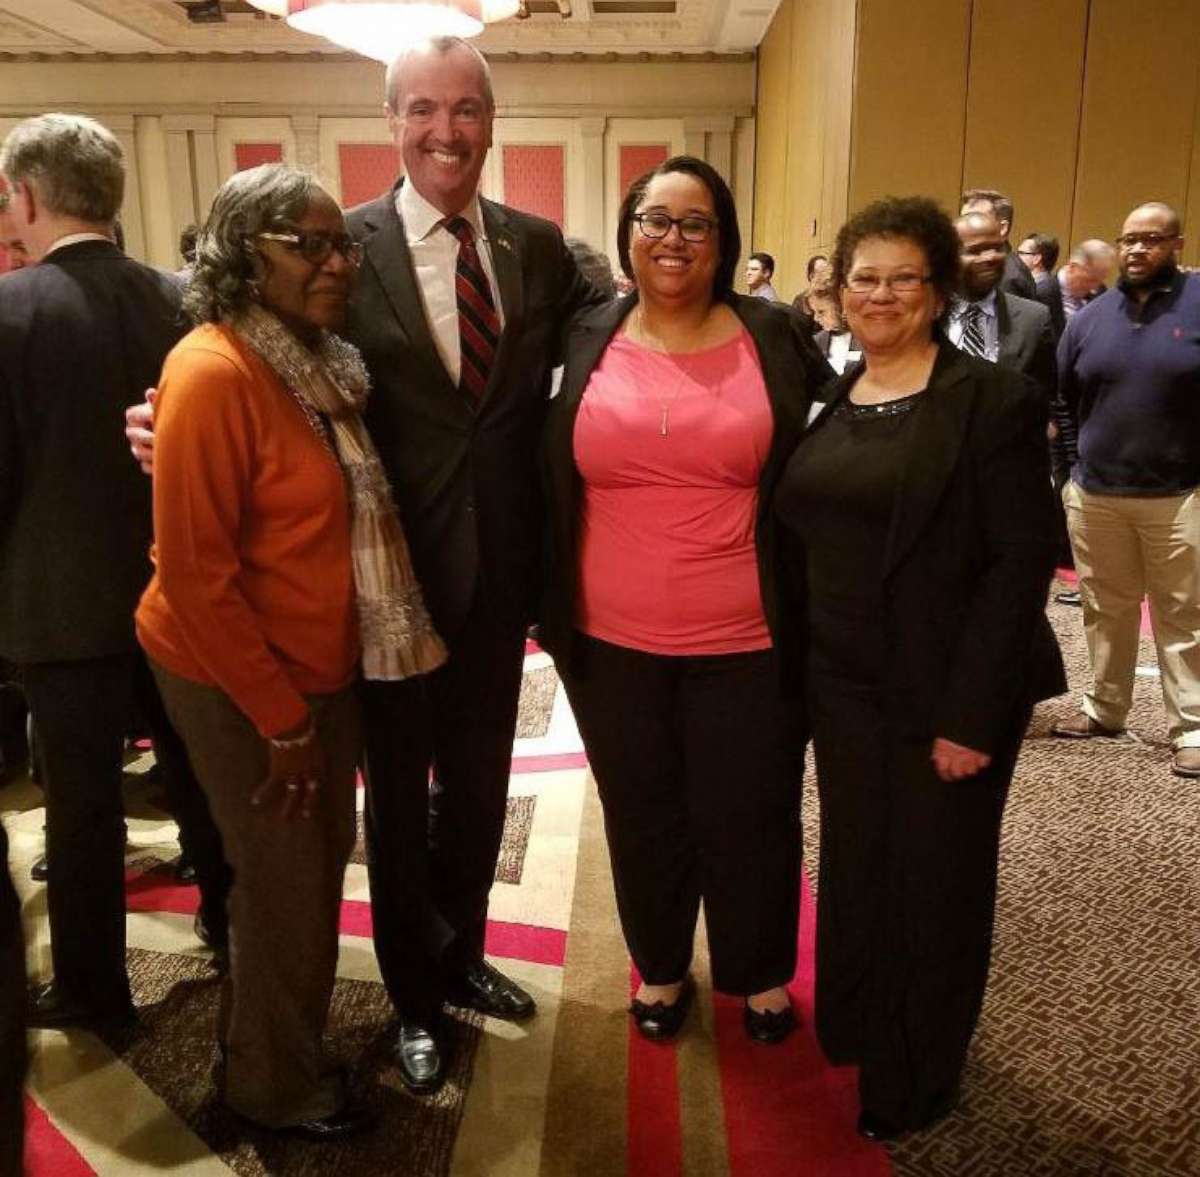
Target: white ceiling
x,y
125,27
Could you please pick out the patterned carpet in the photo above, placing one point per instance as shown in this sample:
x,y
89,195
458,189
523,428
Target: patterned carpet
x,y
1085,1062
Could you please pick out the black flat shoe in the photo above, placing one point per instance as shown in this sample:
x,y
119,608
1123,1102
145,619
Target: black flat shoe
x,y
484,988
184,870
47,1008
661,1022
349,1120
876,1129
39,872
421,1060
768,1026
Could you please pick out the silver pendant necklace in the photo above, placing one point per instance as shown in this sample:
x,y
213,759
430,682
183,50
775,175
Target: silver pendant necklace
x,y
664,420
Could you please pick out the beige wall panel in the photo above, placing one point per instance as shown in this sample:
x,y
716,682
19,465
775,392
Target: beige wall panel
x,y
1023,96
1136,137
771,136
910,99
1191,213
162,242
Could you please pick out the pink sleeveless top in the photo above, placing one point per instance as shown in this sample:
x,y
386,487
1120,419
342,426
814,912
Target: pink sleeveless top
x,y
670,448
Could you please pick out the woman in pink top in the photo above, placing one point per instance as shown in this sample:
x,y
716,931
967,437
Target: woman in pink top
x,y
679,406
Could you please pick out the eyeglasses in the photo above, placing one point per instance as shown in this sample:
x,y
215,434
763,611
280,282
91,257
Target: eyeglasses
x,y
1029,253
897,283
1149,240
657,225
316,247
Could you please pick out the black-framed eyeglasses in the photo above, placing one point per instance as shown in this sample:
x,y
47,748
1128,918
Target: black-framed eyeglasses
x,y
657,225
901,283
316,246
1149,240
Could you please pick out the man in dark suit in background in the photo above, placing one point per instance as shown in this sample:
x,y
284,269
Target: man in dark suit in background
x,y
457,311
1016,278
81,334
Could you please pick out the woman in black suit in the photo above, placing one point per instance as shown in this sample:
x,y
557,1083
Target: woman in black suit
x,y
679,406
919,542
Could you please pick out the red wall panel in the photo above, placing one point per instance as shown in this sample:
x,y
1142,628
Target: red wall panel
x,y
534,179
367,169
250,155
639,158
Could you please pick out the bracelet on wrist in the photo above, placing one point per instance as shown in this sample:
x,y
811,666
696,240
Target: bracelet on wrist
x,y
305,737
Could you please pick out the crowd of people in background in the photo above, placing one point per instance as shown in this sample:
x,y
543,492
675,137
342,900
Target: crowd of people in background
x,y
385,443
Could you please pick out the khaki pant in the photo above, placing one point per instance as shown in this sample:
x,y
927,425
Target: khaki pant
x,y
284,903
1127,548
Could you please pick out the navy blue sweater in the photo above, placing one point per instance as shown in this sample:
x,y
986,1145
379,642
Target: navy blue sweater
x,y
1129,387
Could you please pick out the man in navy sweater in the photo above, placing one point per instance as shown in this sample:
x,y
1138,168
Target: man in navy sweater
x,y
1129,382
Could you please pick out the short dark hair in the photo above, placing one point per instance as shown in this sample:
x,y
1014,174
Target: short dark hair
x,y
812,264
1174,221
918,219
765,260
264,199
729,237
1001,205
1046,246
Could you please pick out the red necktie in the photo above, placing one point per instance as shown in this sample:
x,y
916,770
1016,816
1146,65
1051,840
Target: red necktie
x,y
478,323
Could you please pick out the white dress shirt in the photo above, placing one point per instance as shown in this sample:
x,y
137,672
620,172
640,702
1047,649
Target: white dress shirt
x,y
75,239
988,323
434,252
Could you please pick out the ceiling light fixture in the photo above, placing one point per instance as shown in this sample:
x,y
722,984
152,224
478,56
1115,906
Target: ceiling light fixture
x,y
380,29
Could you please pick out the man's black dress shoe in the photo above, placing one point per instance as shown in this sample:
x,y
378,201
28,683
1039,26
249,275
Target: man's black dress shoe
x,y
184,869
48,1009
40,871
348,1120
1069,597
876,1129
489,991
421,1060
768,1026
660,1022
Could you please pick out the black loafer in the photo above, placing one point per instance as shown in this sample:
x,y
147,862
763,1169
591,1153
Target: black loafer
x,y
876,1129
421,1060
40,871
768,1026
48,1008
489,991
348,1120
661,1022
184,870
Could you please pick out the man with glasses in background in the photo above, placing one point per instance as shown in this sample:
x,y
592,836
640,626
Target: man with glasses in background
x,y
1129,376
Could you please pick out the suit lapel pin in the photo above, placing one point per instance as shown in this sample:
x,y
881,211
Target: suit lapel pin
x,y
505,243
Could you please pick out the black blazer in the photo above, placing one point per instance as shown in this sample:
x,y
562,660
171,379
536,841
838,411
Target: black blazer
x,y
1027,342
1017,279
82,336
794,373
968,561
464,476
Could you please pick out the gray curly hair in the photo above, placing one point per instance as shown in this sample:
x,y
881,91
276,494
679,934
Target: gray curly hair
x,y
264,199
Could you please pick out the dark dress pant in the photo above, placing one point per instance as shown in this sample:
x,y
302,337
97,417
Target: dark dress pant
x,y
438,759
699,763
12,1022
81,710
905,903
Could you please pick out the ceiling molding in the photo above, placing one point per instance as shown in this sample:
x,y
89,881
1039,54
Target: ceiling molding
x,y
537,58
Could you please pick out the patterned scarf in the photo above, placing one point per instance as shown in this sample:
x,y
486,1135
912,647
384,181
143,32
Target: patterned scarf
x,y
398,638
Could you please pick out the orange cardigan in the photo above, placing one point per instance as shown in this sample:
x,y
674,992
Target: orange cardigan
x,y
253,590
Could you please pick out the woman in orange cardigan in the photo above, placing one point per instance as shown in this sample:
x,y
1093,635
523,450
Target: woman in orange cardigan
x,y
278,560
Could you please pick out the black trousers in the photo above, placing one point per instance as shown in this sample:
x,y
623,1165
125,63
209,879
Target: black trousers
x,y
12,1023
699,763
905,903
439,754
81,710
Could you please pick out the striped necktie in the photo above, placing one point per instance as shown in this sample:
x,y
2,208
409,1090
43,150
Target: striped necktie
x,y
478,323
972,341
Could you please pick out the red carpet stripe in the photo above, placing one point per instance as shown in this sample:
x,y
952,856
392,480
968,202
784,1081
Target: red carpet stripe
x,y
655,1138
787,1111
48,1153
552,762
157,890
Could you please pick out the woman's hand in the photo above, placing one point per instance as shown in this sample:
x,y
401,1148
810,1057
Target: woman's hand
x,y
139,431
953,762
295,772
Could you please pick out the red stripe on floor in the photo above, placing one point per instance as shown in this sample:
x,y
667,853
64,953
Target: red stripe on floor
x,y
48,1153
157,890
655,1140
550,763
787,1111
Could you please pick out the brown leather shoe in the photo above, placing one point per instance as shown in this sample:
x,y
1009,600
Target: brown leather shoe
x,y
1186,762
1083,727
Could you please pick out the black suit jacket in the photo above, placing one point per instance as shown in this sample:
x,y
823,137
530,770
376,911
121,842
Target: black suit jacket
x,y
970,552
1017,279
82,336
1027,342
794,373
464,476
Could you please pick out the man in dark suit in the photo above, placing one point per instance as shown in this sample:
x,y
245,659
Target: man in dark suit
x,y
457,311
1016,278
81,334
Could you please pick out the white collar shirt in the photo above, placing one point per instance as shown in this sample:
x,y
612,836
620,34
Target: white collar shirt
x,y
434,251
988,323
75,239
